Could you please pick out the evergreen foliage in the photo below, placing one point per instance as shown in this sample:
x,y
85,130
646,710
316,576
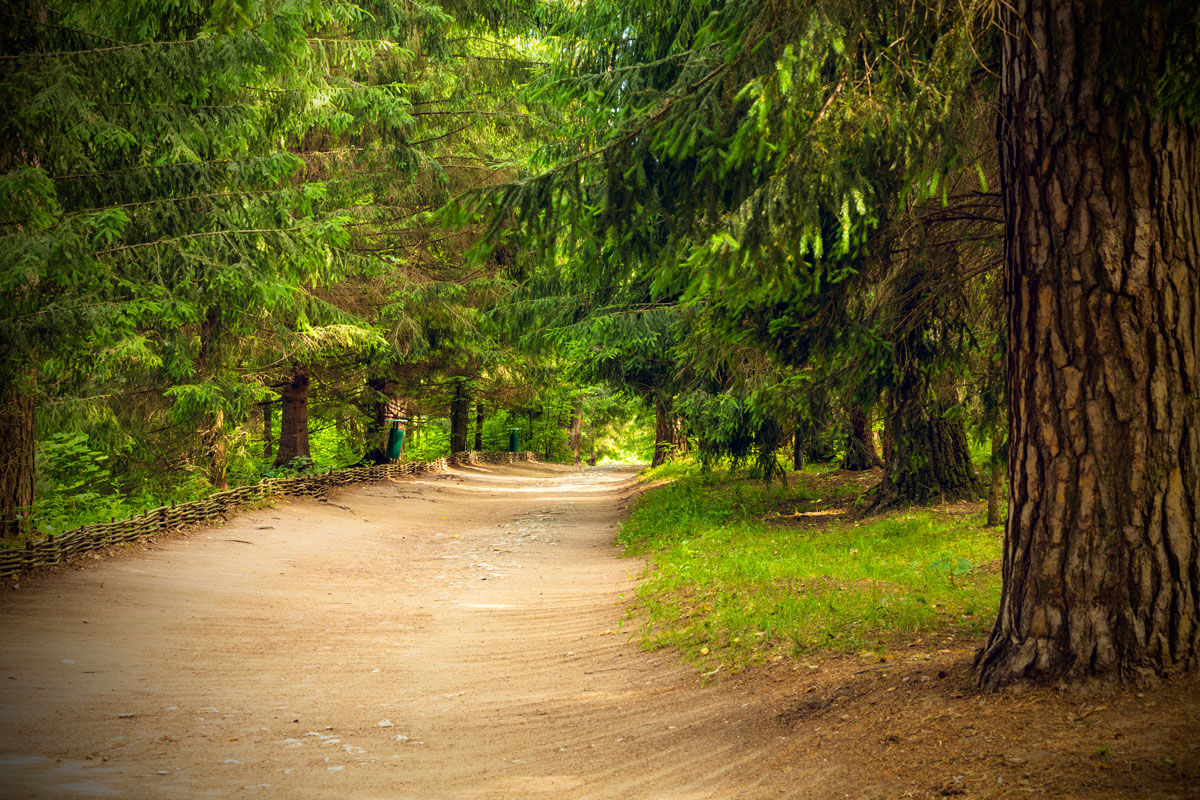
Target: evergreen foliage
x,y
197,201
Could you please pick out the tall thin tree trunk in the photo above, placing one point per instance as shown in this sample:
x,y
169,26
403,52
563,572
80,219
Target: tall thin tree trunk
x,y
664,431
293,421
377,426
1101,194
18,384
479,425
553,423
268,433
888,441
399,409
460,409
798,446
996,486
576,437
16,461
860,441
214,441
213,438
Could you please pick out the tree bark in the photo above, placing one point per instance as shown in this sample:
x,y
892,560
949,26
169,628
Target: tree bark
x,y
16,462
576,435
460,409
377,427
293,421
1102,254
798,446
399,409
553,423
479,426
996,486
268,442
888,442
664,432
860,441
679,438
214,440
931,460
18,381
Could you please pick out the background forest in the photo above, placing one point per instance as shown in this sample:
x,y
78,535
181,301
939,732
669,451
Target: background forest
x,y
220,259
223,257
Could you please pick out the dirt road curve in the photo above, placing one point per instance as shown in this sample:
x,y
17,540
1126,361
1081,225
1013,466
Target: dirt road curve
x,y
454,636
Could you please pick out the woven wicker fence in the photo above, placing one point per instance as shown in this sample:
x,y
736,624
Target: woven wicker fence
x,y
217,507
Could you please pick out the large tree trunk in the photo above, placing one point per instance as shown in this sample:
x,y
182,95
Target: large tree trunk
x,y
860,441
1102,232
664,432
930,458
479,425
16,462
293,422
460,409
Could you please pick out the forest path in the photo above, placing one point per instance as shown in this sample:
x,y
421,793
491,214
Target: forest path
x,y
456,635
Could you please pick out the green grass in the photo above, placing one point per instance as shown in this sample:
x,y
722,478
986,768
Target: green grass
x,y
733,576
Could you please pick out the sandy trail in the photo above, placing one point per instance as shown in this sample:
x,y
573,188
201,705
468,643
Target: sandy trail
x,y
453,636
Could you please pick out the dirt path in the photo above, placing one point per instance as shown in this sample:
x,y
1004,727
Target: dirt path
x,y
456,636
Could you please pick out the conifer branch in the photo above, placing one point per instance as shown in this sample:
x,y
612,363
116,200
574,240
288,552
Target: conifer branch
x,y
52,26
630,135
96,50
443,136
197,235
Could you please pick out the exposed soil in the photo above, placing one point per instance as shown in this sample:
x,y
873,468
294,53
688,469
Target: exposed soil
x,y
460,636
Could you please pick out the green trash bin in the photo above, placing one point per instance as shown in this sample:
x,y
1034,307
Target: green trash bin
x,y
395,445
514,440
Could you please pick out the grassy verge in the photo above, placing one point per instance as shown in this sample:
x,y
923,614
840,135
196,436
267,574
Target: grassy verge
x,y
740,572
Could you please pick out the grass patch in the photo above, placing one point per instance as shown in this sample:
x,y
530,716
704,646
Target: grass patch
x,y
732,574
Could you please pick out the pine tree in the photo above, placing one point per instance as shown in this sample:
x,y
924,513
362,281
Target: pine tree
x,y
745,156
191,194
1100,166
